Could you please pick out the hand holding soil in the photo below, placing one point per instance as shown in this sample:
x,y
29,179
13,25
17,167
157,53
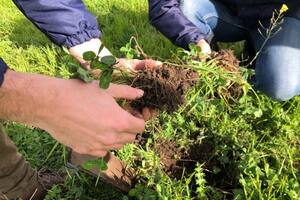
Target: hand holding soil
x,y
92,122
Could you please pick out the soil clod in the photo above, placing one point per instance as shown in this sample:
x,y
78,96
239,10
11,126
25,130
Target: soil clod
x,y
164,87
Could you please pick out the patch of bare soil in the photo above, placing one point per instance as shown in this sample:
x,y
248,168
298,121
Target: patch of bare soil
x,y
164,87
176,161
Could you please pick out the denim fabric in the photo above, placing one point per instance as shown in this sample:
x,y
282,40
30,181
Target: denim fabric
x,y
168,18
278,64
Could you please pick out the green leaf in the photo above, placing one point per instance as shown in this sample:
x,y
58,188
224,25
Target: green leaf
x,y
84,75
109,60
89,165
101,164
89,55
105,79
98,65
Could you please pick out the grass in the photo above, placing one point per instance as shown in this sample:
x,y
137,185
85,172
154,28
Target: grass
x,y
255,141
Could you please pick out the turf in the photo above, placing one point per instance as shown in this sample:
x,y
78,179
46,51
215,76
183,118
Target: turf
x,y
255,141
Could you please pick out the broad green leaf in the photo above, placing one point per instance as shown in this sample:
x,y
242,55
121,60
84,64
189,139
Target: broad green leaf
x,y
98,65
105,79
84,75
89,165
109,60
73,67
89,55
101,164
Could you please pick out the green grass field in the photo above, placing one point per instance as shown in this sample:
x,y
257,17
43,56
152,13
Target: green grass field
x,y
251,144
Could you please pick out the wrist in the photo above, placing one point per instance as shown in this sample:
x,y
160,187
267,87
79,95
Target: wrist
x,y
26,98
92,45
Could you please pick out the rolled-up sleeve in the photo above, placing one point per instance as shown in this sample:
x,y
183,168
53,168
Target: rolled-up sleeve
x,y
167,17
65,22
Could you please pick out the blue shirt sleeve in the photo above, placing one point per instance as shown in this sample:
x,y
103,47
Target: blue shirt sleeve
x,y
65,22
3,69
167,17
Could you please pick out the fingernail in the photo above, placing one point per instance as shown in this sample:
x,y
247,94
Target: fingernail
x,y
140,93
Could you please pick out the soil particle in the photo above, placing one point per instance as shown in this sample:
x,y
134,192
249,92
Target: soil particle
x,y
164,87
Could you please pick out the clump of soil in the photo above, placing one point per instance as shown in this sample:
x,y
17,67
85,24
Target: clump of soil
x,y
164,87
224,59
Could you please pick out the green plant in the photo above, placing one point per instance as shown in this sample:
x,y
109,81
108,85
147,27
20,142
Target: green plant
x,y
105,64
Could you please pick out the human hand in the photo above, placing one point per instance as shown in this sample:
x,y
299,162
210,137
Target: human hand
x,y
89,120
136,65
205,47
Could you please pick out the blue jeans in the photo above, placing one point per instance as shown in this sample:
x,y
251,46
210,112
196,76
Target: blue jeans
x,y
277,68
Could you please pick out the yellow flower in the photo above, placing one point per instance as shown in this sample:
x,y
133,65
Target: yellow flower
x,y
283,8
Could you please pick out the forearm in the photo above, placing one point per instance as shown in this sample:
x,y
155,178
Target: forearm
x,y
24,97
167,17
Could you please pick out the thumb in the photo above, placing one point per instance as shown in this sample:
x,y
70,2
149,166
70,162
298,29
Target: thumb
x,y
147,64
124,92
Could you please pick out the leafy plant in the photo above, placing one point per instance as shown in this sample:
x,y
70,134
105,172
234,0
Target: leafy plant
x,y
105,64
98,163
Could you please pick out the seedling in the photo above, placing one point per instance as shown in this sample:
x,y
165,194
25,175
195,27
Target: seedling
x,y
105,64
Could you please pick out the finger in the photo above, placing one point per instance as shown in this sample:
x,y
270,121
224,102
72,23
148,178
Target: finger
x,y
126,64
136,113
147,64
124,92
98,153
132,111
137,125
127,138
116,146
149,113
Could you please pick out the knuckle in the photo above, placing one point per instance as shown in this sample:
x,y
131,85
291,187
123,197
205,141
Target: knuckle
x,y
119,146
101,153
80,150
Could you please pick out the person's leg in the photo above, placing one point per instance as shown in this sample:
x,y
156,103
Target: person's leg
x,y
222,24
278,64
16,176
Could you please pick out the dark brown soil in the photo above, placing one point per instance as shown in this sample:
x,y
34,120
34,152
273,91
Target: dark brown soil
x,y
176,160
164,87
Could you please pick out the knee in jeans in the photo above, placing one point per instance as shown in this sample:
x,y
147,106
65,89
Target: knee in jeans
x,y
282,91
194,9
